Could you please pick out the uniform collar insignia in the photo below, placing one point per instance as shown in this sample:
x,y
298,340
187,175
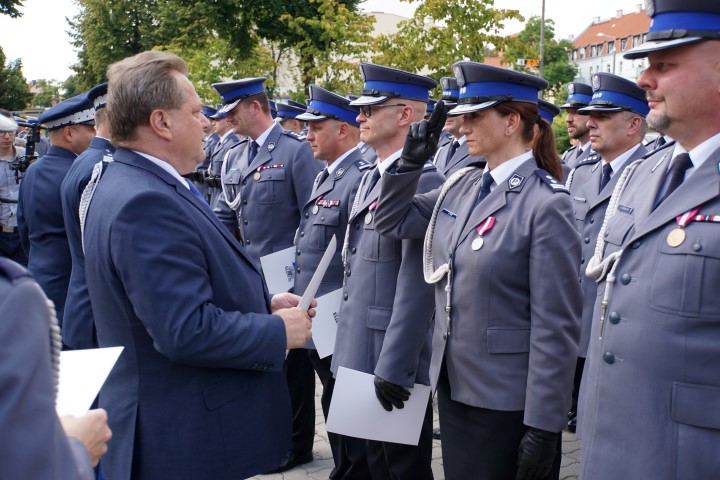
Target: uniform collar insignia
x,y
515,181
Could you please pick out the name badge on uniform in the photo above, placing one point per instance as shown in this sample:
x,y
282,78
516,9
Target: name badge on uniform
x,y
484,228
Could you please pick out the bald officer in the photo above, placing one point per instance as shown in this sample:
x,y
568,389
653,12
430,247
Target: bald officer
x,y
617,126
652,385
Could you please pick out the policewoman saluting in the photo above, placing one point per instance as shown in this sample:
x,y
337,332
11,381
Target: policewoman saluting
x,y
501,248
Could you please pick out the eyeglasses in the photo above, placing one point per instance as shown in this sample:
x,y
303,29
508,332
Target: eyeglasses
x,y
8,134
367,109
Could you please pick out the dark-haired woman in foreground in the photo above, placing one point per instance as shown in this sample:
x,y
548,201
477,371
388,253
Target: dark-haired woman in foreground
x,y
501,248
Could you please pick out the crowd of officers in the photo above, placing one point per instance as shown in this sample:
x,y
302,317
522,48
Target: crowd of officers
x,y
524,287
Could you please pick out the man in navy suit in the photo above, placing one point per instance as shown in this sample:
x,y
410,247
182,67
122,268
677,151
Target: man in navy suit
x,y
199,391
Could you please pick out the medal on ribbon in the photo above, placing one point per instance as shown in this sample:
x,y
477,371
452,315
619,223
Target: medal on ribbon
x,y
676,237
481,230
369,215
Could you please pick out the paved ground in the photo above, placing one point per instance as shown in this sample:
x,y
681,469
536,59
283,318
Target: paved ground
x,y
320,467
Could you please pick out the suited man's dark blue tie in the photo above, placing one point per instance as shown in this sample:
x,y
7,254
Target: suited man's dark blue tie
x,y
605,177
675,177
373,181
196,192
487,180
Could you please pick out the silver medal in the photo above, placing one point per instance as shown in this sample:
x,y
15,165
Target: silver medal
x,y
315,209
477,243
368,218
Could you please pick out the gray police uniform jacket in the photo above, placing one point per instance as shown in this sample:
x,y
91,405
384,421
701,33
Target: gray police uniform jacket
x,y
652,387
461,158
326,214
212,183
511,343
387,308
571,158
272,192
589,205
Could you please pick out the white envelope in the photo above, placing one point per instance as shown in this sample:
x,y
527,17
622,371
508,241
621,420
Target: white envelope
x,y
82,374
355,410
279,270
324,325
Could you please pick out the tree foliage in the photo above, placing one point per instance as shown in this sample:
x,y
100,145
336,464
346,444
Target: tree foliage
x,y
331,44
11,8
557,68
48,94
442,32
14,94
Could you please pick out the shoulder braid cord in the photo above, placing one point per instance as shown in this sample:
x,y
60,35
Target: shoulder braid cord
x,y
356,202
235,202
601,268
55,342
571,175
87,194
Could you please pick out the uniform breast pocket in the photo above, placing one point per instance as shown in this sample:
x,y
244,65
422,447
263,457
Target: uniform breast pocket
x,y
232,177
376,247
325,224
580,209
271,186
686,278
618,228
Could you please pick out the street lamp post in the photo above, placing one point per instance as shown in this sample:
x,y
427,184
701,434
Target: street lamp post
x,y
614,40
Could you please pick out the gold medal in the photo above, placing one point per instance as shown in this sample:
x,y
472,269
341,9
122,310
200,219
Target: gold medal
x,y
477,243
368,218
256,176
315,209
676,237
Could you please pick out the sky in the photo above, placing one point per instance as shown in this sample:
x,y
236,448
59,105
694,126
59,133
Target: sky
x,y
41,40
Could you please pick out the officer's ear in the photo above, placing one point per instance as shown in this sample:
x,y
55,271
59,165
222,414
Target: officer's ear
x,y
161,123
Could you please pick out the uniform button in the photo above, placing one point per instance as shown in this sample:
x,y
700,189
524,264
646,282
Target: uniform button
x,y
353,250
579,279
297,270
244,182
322,218
348,273
244,202
345,296
307,215
592,219
636,244
614,318
297,252
609,358
411,373
625,278
357,226
582,260
245,222
696,247
586,240
247,242
302,234
445,336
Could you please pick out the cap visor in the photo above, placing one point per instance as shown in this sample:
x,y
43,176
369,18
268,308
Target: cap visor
x,y
598,108
226,108
309,117
462,109
641,51
576,105
367,100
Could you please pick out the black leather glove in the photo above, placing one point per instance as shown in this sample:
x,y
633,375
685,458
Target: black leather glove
x,y
536,453
422,139
390,394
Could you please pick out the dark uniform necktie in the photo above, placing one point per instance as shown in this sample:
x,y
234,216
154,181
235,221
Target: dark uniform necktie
x,y
373,181
605,178
322,176
252,152
579,152
660,141
451,151
675,177
487,180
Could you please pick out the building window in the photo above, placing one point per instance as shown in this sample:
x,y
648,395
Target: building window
x,y
593,51
623,43
611,47
636,40
608,68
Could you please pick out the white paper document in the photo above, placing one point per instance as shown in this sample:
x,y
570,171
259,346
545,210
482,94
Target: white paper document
x,y
82,374
356,411
279,270
324,325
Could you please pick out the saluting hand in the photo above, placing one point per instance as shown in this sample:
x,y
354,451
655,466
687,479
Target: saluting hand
x,y
422,139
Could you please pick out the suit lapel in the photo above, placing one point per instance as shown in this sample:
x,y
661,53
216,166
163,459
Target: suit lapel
x,y
460,154
329,183
264,154
606,193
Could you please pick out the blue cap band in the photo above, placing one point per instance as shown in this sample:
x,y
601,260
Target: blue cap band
x,y
619,100
579,98
451,93
685,21
403,90
490,89
340,113
244,91
545,115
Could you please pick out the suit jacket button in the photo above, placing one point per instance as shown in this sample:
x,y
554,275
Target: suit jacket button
x,y
586,240
614,318
625,278
609,358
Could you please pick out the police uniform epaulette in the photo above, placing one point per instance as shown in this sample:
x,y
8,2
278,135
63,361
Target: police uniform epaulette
x,y
363,165
429,167
12,271
592,159
297,136
242,141
571,149
551,181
